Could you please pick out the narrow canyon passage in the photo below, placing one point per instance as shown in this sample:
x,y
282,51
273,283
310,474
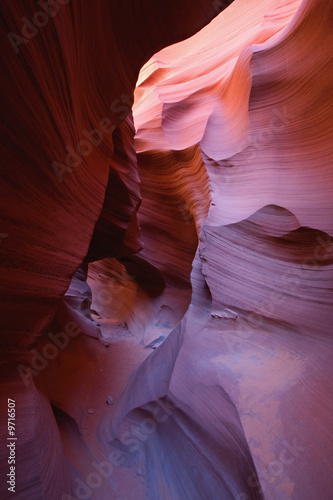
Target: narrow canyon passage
x,y
166,250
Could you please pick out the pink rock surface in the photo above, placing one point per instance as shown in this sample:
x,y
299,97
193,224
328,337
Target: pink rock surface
x,y
183,267
72,75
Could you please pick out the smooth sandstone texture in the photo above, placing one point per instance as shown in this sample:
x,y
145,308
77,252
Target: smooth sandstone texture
x,y
66,86
185,265
260,111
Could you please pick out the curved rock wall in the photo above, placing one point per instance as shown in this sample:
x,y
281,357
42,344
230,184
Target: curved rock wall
x,y
69,72
167,276
260,110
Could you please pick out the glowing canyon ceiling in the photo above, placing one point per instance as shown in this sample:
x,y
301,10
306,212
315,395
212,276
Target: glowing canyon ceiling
x,y
166,250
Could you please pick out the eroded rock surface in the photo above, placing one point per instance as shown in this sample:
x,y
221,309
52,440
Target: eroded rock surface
x,y
167,267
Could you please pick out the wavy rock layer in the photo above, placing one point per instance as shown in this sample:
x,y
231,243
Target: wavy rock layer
x,y
207,239
260,338
67,86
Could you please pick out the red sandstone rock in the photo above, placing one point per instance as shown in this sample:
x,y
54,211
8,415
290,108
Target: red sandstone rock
x,y
212,230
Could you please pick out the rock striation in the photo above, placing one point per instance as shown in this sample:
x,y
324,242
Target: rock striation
x,y
167,249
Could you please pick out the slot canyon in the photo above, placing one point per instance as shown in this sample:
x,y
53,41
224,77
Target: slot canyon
x,y
166,250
